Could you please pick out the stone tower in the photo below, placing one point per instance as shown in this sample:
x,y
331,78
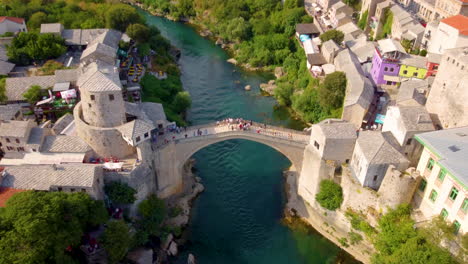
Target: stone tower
x,y
101,95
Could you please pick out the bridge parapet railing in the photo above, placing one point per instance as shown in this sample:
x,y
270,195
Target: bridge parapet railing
x,y
255,124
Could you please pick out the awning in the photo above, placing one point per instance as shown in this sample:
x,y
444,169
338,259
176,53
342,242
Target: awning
x,y
318,9
391,78
379,119
113,165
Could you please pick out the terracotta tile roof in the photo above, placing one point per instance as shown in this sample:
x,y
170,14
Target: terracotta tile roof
x,y
12,19
6,193
459,22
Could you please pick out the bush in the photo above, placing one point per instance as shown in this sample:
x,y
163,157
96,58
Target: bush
x,y
354,237
120,193
343,241
33,94
116,240
359,223
333,34
423,53
153,212
363,21
330,195
332,91
32,46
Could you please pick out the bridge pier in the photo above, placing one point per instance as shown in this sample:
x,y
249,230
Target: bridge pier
x,y
168,171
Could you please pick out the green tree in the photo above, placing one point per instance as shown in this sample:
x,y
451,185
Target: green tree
x,y
332,91
120,193
3,97
407,44
120,16
333,34
37,227
283,93
36,20
330,195
138,32
362,24
116,240
32,46
33,94
238,29
153,211
182,102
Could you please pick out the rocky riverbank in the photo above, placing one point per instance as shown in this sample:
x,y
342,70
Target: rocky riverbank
x,y
333,227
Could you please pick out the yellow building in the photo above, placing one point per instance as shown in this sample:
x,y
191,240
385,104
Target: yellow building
x,y
413,67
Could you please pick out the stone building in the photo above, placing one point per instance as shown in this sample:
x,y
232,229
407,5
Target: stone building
x,y
71,178
340,14
443,166
449,33
412,66
405,26
359,90
448,99
17,136
377,21
373,154
385,63
334,140
12,24
404,122
326,4
435,9
10,112
329,50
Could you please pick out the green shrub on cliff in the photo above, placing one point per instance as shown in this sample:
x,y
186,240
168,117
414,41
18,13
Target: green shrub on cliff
x,y
120,193
330,195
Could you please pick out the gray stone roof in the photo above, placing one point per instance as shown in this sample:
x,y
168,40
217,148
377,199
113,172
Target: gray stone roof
x,y
89,35
64,144
413,60
110,38
15,128
62,76
9,112
414,118
52,28
72,36
329,46
390,45
36,136
434,57
349,28
3,53
359,89
380,148
16,87
308,28
135,128
42,177
154,112
99,50
98,77
364,51
316,59
6,67
409,90
451,145
337,129
62,123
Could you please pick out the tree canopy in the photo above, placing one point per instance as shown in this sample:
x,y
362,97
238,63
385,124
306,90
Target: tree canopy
x,y
33,94
120,193
116,240
334,35
152,212
333,89
182,102
30,46
37,227
120,16
138,32
330,195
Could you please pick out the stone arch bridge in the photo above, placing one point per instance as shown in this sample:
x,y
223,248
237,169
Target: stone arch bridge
x,y
174,150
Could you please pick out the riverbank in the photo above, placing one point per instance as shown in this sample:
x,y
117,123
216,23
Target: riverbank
x,y
333,227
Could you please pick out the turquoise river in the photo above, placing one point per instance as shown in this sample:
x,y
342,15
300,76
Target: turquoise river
x,y
237,219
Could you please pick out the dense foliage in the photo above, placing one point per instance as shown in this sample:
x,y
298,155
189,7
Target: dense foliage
x,y
398,241
335,35
152,211
37,227
330,195
116,240
120,193
33,94
30,47
332,91
3,96
362,24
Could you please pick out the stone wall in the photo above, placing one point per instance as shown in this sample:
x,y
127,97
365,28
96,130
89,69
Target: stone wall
x,y
105,142
100,111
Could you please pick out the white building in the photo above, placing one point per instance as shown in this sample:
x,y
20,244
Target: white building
x,y
443,165
373,154
12,24
450,33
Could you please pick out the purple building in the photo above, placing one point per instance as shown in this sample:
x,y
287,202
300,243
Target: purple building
x,y
386,62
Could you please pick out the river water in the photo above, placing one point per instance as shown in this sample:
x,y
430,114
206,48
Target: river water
x,y
238,217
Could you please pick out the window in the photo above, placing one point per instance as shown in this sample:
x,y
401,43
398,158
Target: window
x,y
433,195
138,139
7,140
20,149
464,206
375,177
456,227
441,175
93,97
453,194
17,141
453,61
111,97
72,189
422,185
444,214
59,189
146,135
89,105
392,69
436,67
415,74
430,164
405,72
316,144
83,190
97,180
408,142
389,83
34,150
9,148
386,69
